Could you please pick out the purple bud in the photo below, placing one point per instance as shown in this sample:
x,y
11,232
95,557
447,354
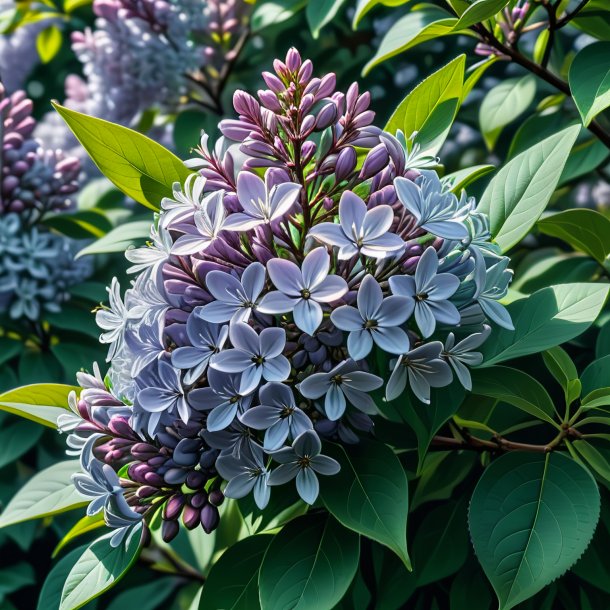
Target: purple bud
x,y
305,72
364,119
293,60
195,480
307,126
307,102
273,82
146,491
351,97
169,530
269,100
190,517
209,518
173,507
199,499
308,150
175,476
152,478
375,161
216,497
144,451
346,163
245,104
326,117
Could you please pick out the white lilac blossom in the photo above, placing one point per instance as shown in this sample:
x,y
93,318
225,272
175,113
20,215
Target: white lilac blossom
x,y
236,355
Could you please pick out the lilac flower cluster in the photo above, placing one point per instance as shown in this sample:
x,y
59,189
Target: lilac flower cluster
x,y
304,255
146,53
37,267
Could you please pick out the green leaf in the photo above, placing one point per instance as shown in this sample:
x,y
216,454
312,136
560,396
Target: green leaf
x,y
269,13
414,28
50,594
516,388
593,458
370,495
309,565
441,544
518,194
562,368
119,239
82,224
141,168
549,317
585,230
594,19
321,12
232,583
364,6
16,438
82,526
42,402
469,589
596,399
531,517
503,104
98,569
596,375
589,79
434,101
457,181
47,493
479,11
145,597
48,43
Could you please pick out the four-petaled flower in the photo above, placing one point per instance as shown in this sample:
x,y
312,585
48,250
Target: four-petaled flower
x,y
254,356
461,354
345,381
302,290
278,415
261,201
209,222
375,320
244,474
223,398
424,368
429,292
206,340
440,213
235,299
360,231
303,461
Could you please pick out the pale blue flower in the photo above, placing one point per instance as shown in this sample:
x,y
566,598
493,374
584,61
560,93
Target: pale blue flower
x,y
302,461
278,415
345,381
438,212
235,299
302,290
253,356
424,368
224,399
261,201
461,354
206,340
375,320
360,231
244,474
492,285
429,291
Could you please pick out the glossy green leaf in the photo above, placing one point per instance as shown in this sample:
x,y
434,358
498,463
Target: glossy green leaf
x,y
16,438
82,526
414,28
47,493
98,569
503,104
560,365
441,544
232,583
416,113
521,190
547,318
119,239
370,495
596,375
273,12
515,388
596,399
595,459
42,402
602,344
479,11
364,6
149,596
594,19
50,594
459,180
585,230
48,43
531,517
141,168
589,79
320,13
309,565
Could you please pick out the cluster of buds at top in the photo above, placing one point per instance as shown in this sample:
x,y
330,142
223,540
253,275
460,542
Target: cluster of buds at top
x,y
508,27
311,267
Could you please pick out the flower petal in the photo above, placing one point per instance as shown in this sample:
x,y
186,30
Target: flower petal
x,y
307,315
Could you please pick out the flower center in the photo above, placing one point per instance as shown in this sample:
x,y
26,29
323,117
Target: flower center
x,y
304,462
371,324
286,412
259,360
305,293
422,296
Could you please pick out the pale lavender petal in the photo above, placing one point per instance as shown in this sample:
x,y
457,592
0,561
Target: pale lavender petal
x,y
334,403
260,418
395,310
426,268
307,315
359,344
277,302
241,222
276,435
240,486
442,286
314,386
223,286
253,280
286,276
222,416
232,361
330,234
352,211
369,298
315,268
251,193
425,318
244,337
282,198
377,222
330,289
347,318
272,342
307,444
277,369
393,340
402,285
218,311
307,485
